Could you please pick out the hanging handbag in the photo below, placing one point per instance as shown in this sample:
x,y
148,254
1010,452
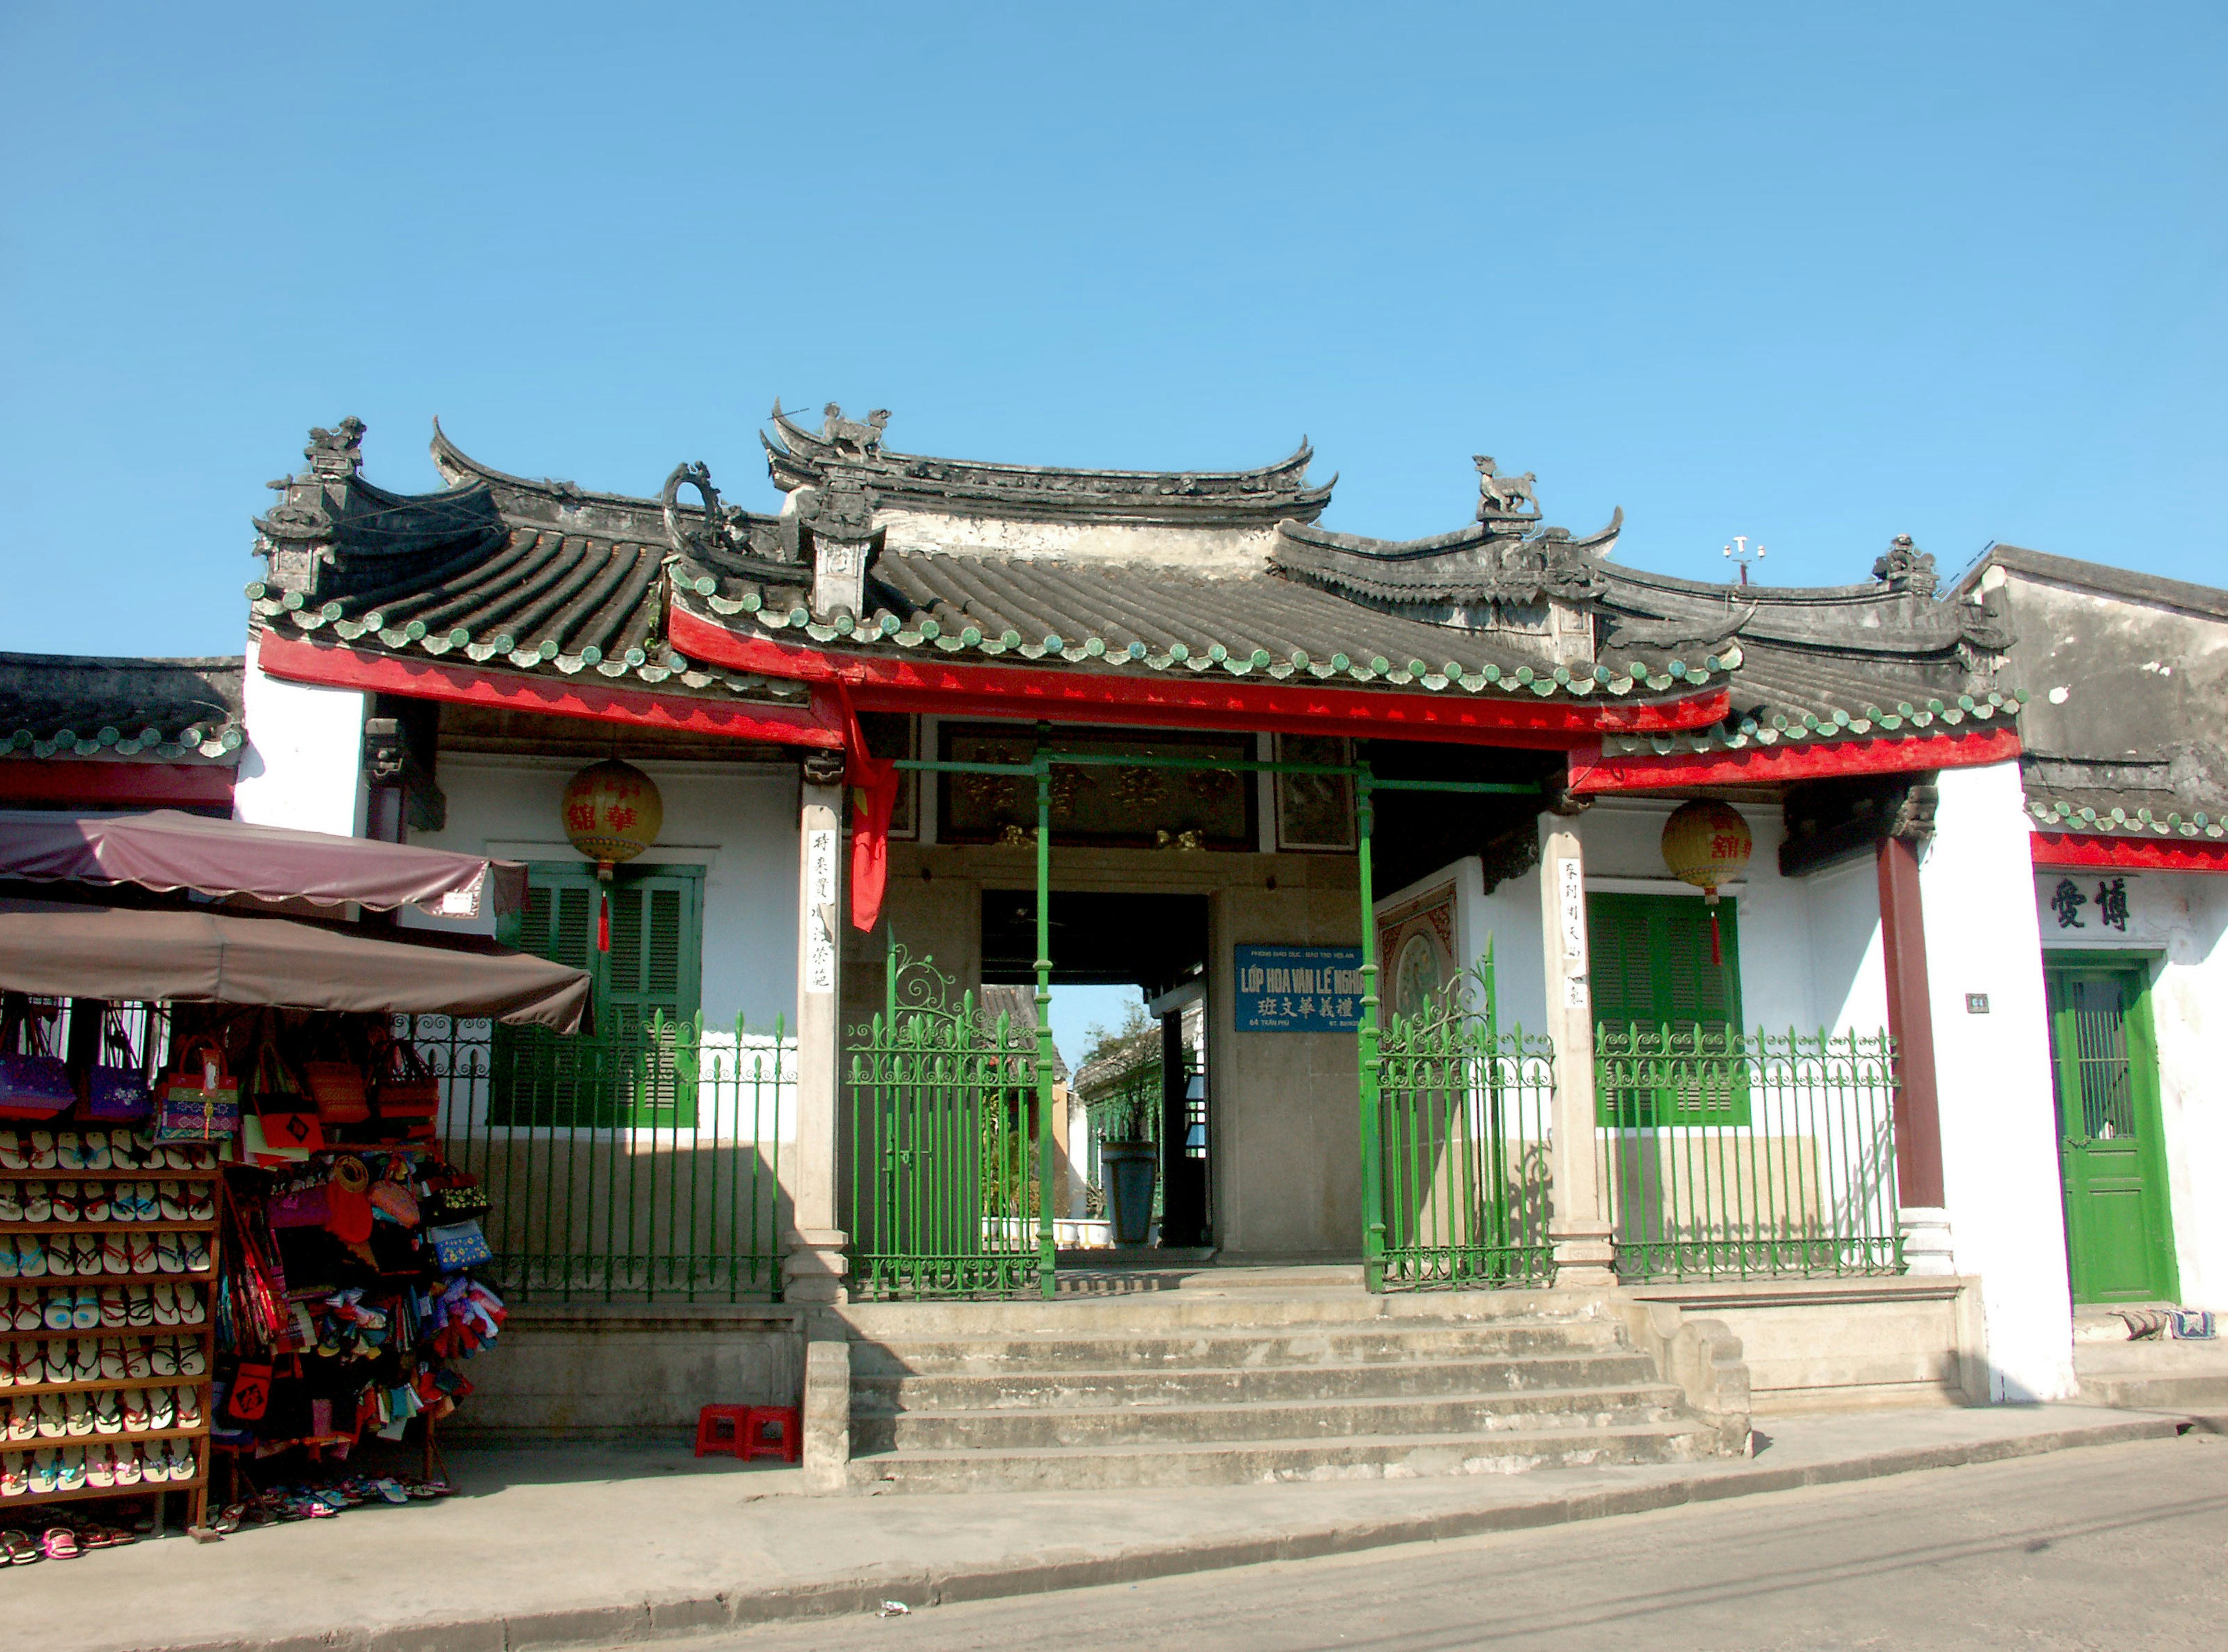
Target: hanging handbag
x,y
335,1086
300,1207
393,1198
116,1091
278,1126
33,1083
459,1244
407,1089
201,1101
446,1204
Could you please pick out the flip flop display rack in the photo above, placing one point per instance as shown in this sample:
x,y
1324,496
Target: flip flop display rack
x,y
108,1271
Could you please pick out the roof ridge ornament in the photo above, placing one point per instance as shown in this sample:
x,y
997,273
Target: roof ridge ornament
x,y
337,452
1499,497
723,534
1907,568
850,434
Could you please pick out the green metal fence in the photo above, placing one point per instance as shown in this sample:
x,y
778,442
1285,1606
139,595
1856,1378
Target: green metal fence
x,y
637,1166
944,1196
1461,1112
1734,1155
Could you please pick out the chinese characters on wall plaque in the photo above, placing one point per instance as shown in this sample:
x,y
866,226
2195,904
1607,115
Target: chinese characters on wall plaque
x,y
1298,989
2067,899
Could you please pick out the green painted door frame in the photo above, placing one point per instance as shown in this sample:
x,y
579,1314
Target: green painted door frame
x,y
2111,1151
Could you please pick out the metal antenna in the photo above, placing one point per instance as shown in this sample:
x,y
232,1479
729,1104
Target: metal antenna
x,y
1739,551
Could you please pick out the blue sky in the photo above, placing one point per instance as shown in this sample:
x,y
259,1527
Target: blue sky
x,y
1814,275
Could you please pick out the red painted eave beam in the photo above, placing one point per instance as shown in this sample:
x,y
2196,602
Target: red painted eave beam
x,y
105,783
2084,849
344,667
881,683
1776,765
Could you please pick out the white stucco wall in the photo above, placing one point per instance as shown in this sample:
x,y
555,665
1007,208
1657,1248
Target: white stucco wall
x,y
1809,946
2175,922
303,765
738,821
1999,1130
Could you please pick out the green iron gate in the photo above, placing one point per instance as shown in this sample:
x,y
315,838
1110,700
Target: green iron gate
x,y
946,1196
1461,1113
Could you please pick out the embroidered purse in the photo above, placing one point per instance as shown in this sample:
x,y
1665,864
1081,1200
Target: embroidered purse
x,y
34,1084
201,1101
459,1245
116,1092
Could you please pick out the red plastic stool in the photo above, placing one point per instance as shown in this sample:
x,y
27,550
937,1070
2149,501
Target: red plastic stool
x,y
760,1440
723,1429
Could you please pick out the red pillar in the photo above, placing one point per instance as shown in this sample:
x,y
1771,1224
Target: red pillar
x,y
1911,1019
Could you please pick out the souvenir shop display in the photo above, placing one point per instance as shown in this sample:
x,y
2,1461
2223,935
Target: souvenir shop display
x,y
109,1257
258,1251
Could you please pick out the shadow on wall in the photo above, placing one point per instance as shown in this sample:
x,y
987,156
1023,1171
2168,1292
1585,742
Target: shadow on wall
x,y
609,1218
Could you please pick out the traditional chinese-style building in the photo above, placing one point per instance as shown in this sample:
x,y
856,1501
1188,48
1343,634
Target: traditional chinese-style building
x,y
1661,971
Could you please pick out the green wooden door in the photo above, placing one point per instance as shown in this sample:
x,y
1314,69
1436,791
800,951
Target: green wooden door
x,y
2119,1234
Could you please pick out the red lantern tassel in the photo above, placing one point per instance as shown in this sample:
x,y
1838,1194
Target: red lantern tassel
x,y
1717,945
603,923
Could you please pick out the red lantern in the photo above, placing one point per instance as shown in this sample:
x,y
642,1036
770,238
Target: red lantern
x,y
1706,843
612,811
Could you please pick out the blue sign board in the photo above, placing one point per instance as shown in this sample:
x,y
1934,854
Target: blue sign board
x,y
1299,989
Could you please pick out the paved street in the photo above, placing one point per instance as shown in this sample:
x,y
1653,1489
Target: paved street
x,y
2118,1548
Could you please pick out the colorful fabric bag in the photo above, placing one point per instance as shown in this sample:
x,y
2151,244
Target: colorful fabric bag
x,y
201,1101
301,1207
407,1089
117,1092
336,1088
33,1083
281,1125
459,1244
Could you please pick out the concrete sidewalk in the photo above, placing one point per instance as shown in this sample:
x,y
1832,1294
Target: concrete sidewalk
x,y
595,1545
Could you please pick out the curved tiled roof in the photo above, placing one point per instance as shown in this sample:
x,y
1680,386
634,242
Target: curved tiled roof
x,y
538,576
1820,663
851,451
1108,615
97,706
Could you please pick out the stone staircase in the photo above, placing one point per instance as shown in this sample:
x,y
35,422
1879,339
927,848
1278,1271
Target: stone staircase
x,y
1226,1376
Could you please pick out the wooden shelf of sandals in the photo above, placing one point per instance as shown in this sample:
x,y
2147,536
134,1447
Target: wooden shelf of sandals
x,y
108,1268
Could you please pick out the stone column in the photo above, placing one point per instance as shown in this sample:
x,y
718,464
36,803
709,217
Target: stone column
x,y
1579,1227
813,1271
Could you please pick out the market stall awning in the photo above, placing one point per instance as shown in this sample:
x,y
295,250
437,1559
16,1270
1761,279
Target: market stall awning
x,y
168,850
218,958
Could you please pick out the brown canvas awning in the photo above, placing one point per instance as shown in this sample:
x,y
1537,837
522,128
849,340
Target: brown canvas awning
x,y
169,851
218,958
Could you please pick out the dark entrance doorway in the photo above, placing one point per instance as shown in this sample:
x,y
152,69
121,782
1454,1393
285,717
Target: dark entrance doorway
x,y
1157,943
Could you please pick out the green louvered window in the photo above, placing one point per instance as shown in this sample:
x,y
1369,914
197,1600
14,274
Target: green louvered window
x,y
1652,974
611,1077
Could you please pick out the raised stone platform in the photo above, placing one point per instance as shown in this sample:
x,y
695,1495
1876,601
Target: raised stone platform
x,y
1173,1376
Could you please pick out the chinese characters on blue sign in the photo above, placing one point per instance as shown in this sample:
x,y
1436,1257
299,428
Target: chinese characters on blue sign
x,y
1299,989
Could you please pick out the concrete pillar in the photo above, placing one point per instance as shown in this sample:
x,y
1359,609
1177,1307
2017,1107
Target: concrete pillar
x,y
814,1269
1928,1245
1586,1258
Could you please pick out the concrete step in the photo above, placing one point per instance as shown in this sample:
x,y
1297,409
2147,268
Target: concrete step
x,y
1221,1462
1228,1348
1220,1305
2154,1375
1241,1421
1023,1386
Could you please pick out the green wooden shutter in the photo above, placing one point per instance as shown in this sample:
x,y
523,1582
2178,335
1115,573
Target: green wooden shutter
x,y
1649,958
654,965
